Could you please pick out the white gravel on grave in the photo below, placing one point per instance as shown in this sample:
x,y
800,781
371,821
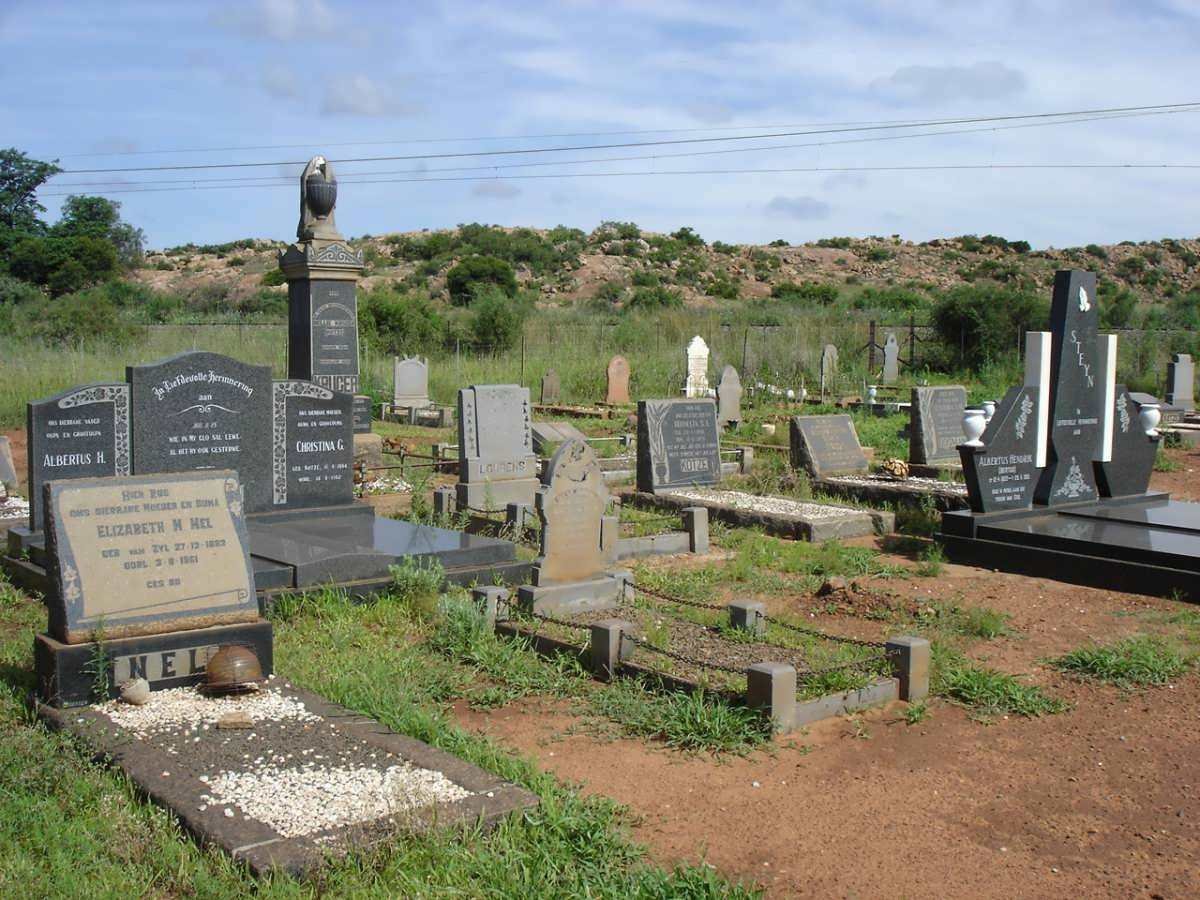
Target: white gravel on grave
x,y
925,484
386,486
186,707
14,507
778,505
297,802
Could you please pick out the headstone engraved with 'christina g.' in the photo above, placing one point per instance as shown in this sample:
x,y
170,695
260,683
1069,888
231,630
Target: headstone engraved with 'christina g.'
x,y
312,458
80,433
826,445
147,554
678,444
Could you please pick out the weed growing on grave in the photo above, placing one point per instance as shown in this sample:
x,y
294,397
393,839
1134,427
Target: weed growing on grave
x,y
1138,661
933,560
417,583
965,621
916,713
1163,462
692,583
99,664
921,518
987,692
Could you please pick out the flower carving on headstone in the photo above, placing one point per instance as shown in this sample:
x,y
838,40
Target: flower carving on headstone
x,y
71,590
1123,413
1023,419
1074,485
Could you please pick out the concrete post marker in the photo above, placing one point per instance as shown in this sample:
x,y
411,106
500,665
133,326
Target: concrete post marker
x,y
909,658
748,615
609,647
771,687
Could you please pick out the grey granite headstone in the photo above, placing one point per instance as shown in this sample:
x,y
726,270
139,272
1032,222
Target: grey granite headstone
x,y
826,445
362,414
1004,472
936,423
1075,396
1181,380
891,359
571,505
325,312
410,381
81,433
495,447
312,457
202,410
729,398
617,376
551,387
678,444
547,434
147,554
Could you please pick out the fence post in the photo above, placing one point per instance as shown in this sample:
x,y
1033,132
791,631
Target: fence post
x,y
871,349
912,343
522,381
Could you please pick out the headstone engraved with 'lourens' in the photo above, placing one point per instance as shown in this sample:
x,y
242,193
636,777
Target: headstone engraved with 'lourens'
x,y
147,554
495,446
826,445
936,423
80,433
678,444
312,460
200,411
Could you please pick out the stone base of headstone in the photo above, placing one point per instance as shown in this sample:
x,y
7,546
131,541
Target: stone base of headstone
x,y
67,673
494,496
368,449
606,592
880,490
432,416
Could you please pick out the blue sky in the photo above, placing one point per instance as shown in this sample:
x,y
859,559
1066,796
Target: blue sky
x,y
356,79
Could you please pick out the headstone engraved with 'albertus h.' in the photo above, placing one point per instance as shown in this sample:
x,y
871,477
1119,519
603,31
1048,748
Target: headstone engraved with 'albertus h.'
x,y
81,433
678,444
1004,472
202,410
312,458
826,445
147,554
936,423
497,465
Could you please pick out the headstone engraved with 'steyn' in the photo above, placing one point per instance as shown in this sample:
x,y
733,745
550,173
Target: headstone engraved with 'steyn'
x,y
495,447
312,458
147,554
697,368
936,423
678,444
617,376
80,433
1004,472
891,360
410,382
202,410
551,388
1075,396
826,445
1181,381
729,398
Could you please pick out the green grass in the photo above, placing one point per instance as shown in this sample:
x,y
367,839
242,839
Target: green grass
x,y
1138,661
987,692
946,617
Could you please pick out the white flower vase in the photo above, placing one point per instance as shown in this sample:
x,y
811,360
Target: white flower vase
x,y
1149,416
872,393
989,409
974,422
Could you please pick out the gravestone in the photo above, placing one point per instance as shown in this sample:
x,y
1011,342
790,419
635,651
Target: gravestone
x,y
1181,380
410,382
729,398
891,359
312,457
361,415
936,423
549,434
496,464
1004,473
697,368
1075,402
678,444
829,368
81,433
617,377
147,554
1133,453
8,471
202,410
826,445
551,388
571,505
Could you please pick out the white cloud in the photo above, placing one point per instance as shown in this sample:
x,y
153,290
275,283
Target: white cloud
x,y
280,20
803,208
991,80
361,95
497,190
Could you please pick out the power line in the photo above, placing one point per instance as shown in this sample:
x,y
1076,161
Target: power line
x,y
631,144
289,180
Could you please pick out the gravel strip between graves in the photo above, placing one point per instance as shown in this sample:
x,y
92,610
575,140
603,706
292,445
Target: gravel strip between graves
x,y
763,504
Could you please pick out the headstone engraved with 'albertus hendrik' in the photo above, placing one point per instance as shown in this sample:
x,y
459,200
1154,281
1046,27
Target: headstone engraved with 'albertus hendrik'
x,y
147,554
312,458
729,398
936,423
497,465
1075,396
617,377
202,410
826,445
81,433
678,444
1004,472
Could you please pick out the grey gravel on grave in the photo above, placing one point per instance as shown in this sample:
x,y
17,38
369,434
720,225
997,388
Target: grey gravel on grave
x,y
14,507
294,771
777,505
912,481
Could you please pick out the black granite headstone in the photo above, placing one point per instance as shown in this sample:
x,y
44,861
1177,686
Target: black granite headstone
x,y
1075,393
312,460
202,410
678,444
323,333
826,445
936,423
1133,451
1004,473
80,433
362,414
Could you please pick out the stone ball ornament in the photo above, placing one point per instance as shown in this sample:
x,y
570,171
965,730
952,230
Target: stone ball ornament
x,y
233,669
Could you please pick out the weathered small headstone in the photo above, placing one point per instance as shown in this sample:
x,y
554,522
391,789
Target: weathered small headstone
x,y
678,444
936,423
361,414
570,507
495,447
202,410
312,458
410,382
81,433
891,359
8,471
826,445
697,368
551,388
617,375
829,368
729,398
547,434
147,554
1181,381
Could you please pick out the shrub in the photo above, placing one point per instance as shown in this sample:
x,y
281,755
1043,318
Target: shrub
x,y
835,243
273,278
981,323
610,292
655,297
1096,250
498,318
688,237
80,317
779,242
879,254
722,247
722,286
64,264
397,323
895,299
14,291
807,292
479,270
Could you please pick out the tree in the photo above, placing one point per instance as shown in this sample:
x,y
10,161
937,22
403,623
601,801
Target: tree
x,y
479,270
20,177
99,217
498,319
